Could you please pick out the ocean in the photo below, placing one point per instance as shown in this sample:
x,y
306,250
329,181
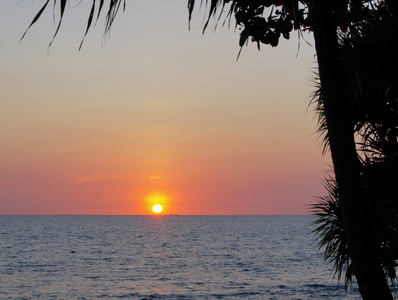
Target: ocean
x,y
163,257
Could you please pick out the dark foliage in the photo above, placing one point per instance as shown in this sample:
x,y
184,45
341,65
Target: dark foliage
x,y
370,56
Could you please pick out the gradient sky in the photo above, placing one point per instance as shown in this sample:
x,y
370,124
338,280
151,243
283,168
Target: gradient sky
x,y
157,113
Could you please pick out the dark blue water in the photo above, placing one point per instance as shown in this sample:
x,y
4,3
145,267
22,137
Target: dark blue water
x,y
165,257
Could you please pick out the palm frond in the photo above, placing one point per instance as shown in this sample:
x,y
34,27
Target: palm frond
x,y
317,102
213,7
329,232
111,12
37,16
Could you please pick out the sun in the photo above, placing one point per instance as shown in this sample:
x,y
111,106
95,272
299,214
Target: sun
x,y
157,202
157,208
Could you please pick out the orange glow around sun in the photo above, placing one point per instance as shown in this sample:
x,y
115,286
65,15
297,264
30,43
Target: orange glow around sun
x,y
157,202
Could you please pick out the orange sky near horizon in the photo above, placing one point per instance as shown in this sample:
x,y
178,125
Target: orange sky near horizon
x,y
156,111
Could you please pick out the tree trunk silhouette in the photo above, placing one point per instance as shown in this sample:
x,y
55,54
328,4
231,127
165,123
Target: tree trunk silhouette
x,y
362,248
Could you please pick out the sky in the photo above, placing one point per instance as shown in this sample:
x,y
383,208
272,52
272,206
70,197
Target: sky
x,y
156,113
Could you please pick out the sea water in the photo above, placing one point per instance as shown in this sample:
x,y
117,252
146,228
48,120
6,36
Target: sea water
x,y
163,257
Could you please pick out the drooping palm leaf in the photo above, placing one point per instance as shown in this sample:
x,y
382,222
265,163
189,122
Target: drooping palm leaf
x,y
62,5
329,232
90,20
36,18
113,9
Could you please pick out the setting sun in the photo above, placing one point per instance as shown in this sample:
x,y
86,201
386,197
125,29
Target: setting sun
x,y
157,202
157,208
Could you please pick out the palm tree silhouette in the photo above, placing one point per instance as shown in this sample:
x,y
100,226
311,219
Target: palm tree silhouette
x,y
370,56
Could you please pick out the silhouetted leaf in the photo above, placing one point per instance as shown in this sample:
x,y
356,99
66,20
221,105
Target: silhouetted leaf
x,y
90,20
244,36
62,10
100,8
213,9
36,18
